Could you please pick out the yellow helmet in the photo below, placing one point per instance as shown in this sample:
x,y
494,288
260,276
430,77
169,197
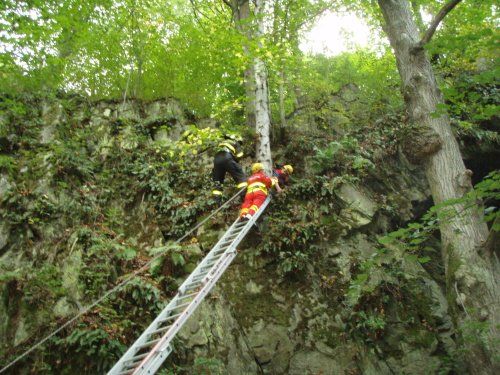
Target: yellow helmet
x,y
256,167
288,169
234,137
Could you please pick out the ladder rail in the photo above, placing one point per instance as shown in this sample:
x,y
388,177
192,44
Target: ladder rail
x,y
211,274
210,255
152,366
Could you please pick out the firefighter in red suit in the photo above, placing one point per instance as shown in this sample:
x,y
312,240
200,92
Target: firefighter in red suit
x,y
258,187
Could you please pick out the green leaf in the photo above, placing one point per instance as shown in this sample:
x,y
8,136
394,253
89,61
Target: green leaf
x,y
423,260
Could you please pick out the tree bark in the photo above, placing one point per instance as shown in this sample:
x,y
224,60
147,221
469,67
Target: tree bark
x,y
240,13
262,116
471,279
279,32
281,90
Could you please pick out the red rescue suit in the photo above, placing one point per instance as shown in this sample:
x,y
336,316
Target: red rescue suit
x,y
257,190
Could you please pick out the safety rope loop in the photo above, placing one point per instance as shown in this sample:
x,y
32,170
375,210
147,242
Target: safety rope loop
x,y
125,281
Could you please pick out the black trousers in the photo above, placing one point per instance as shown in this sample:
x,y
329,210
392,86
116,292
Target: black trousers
x,y
224,162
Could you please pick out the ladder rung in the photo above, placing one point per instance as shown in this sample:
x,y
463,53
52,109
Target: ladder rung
x,y
192,283
226,243
192,287
209,265
170,317
160,330
215,257
182,304
200,274
148,343
221,250
199,278
131,366
213,260
188,296
126,372
135,358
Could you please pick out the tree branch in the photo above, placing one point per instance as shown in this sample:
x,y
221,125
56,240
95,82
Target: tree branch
x,y
228,3
447,8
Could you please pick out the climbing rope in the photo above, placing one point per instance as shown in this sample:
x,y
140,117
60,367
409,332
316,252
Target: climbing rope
x,y
117,287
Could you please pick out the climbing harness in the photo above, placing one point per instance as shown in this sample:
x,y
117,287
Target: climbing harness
x,y
151,349
127,280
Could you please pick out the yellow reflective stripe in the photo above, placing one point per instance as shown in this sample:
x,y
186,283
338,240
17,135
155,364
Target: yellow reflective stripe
x,y
229,146
239,154
274,180
244,211
264,190
216,192
254,207
241,185
257,186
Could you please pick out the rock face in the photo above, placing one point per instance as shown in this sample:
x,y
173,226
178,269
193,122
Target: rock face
x,y
4,234
52,116
305,326
213,331
257,320
360,207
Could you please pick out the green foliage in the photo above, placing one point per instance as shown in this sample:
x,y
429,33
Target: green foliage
x,y
342,156
70,158
140,298
98,272
7,164
369,322
209,366
42,287
415,235
364,80
155,49
14,129
86,351
293,243
488,191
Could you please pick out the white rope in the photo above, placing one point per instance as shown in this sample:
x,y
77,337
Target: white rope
x,y
116,288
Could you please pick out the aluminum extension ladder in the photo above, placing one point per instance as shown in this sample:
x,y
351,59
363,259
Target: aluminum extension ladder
x,y
149,351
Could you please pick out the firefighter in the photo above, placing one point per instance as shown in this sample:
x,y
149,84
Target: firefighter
x,y
258,187
226,160
282,176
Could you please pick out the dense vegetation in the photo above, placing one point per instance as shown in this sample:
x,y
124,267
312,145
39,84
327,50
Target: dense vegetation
x,y
100,170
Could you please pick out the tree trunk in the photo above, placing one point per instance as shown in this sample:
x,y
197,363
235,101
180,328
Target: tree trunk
x,y
281,91
471,279
262,117
241,12
279,32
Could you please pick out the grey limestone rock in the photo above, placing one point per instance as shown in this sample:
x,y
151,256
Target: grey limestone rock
x,y
360,207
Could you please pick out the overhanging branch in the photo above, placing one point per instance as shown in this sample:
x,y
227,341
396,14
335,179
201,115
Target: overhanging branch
x,y
447,8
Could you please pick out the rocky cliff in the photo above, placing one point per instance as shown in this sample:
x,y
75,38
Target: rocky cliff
x,y
90,191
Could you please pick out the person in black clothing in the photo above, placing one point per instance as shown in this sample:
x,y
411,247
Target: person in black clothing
x,y
226,160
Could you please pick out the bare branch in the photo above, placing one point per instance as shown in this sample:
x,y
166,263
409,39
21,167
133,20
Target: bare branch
x,y
447,8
